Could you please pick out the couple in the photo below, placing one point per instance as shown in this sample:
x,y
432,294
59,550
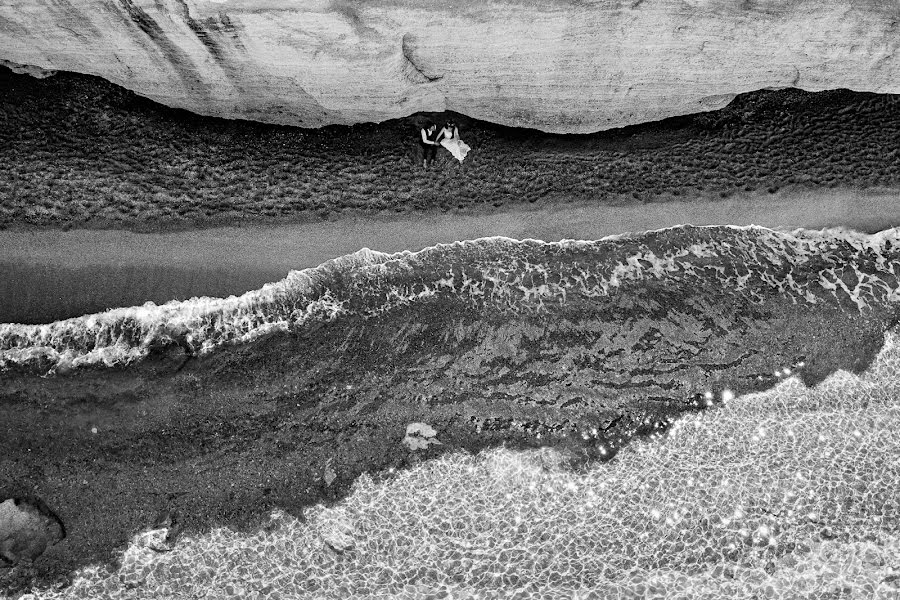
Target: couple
x,y
448,137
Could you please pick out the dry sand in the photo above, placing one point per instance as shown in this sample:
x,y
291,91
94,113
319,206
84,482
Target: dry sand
x,y
57,274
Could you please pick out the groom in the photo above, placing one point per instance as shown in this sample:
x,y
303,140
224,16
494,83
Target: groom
x,y
429,143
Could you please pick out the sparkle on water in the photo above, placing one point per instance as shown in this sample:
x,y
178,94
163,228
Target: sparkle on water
x,y
785,494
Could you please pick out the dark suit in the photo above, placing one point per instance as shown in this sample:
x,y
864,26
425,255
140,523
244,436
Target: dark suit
x,y
429,151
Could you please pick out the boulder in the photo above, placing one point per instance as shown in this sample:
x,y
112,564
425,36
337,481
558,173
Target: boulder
x,y
419,436
27,528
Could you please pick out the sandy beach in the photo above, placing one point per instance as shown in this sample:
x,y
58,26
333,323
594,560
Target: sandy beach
x,y
200,172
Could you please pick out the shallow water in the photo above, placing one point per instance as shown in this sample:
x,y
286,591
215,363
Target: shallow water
x,y
54,275
47,293
578,344
784,494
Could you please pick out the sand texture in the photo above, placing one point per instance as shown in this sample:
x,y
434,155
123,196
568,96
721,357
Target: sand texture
x,y
69,142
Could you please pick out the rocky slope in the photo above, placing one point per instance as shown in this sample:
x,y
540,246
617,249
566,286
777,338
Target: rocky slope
x,y
563,66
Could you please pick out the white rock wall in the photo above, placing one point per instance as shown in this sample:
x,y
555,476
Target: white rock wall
x,y
557,65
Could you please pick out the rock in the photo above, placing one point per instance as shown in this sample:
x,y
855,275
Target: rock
x,y
872,558
329,476
338,532
157,540
788,561
167,522
141,554
338,540
27,528
562,66
419,436
36,72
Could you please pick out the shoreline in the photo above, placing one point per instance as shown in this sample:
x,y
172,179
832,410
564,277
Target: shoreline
x,y
292,420
60,274
735,203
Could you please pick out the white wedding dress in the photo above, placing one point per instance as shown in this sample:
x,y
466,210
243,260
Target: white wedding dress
x,y
456,146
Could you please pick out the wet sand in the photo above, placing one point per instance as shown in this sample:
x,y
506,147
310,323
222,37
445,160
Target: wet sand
x,y
60,274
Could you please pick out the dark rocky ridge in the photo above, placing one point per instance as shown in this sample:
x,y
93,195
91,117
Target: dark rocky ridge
x,y
83,152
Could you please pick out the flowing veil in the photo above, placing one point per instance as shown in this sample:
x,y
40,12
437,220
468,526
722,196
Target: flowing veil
x,y
457,147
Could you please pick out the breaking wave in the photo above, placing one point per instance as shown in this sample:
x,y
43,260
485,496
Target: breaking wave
x,y
850,271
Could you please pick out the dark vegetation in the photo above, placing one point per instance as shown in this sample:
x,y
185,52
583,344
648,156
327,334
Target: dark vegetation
x,y
79,151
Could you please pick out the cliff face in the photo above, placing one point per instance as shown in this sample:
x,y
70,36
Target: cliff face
x,y
557,65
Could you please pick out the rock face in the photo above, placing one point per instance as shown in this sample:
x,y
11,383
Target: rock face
x,y
560,65
36,72
27,528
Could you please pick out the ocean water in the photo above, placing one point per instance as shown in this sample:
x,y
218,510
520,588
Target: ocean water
x,y
784,488
44,293
789,493
847,271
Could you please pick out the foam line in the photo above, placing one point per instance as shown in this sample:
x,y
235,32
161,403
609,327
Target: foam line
x,y
850,270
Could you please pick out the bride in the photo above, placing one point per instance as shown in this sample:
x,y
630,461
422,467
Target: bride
x,y
449,137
